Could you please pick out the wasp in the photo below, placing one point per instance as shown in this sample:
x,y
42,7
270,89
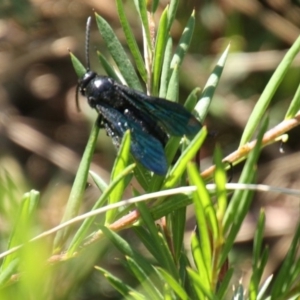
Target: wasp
x,y
150,120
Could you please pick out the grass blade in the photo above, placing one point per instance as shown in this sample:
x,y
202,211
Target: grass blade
x,y
266,97
164,256
176,287
178,221
120,164
151,290
124,289
78,188
294,106
203,229
285,276
81,232
22,227
188,154
241,200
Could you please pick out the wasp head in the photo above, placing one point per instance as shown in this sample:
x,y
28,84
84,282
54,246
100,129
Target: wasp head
x,y
84,81
82,85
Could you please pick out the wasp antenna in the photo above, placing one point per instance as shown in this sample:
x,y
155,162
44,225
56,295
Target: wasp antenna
x,y
87,42
76,98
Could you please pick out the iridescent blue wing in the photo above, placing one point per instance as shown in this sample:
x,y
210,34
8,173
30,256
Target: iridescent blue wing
x,y
145,148
173,117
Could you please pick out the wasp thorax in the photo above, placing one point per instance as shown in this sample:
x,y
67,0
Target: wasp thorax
x,y
100,88
96,88
102,84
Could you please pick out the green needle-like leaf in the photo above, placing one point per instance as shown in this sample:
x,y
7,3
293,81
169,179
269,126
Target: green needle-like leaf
x,y
221,198
266,97
100,183
126,249
223,287
202,289
210,87
178,221
150,289
172,12
145,237
154,5
184,42
22,228
294,106
108,67
78,188
192,99
160,46
188,154
120,164
241,200
203,228
258,239
143,13
174,284
173,87
164,256
288,274
124,289
165,72
81,232
78,66
118,54
131,41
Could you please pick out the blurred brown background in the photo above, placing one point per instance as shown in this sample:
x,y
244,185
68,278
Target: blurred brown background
x,y
43,136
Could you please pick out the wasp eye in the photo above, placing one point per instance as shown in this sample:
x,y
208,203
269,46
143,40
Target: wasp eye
x,y
85,81
92,102
82,92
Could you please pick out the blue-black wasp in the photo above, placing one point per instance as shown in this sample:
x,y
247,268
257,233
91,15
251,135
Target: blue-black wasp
x,y
149,119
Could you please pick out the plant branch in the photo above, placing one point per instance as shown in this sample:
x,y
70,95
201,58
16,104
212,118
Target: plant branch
x,y
270,137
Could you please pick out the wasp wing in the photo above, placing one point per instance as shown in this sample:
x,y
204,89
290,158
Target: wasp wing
x,y
145,148
173,117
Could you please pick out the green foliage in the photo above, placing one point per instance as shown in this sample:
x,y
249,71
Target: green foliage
x,y
269,91
78,188
174,271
